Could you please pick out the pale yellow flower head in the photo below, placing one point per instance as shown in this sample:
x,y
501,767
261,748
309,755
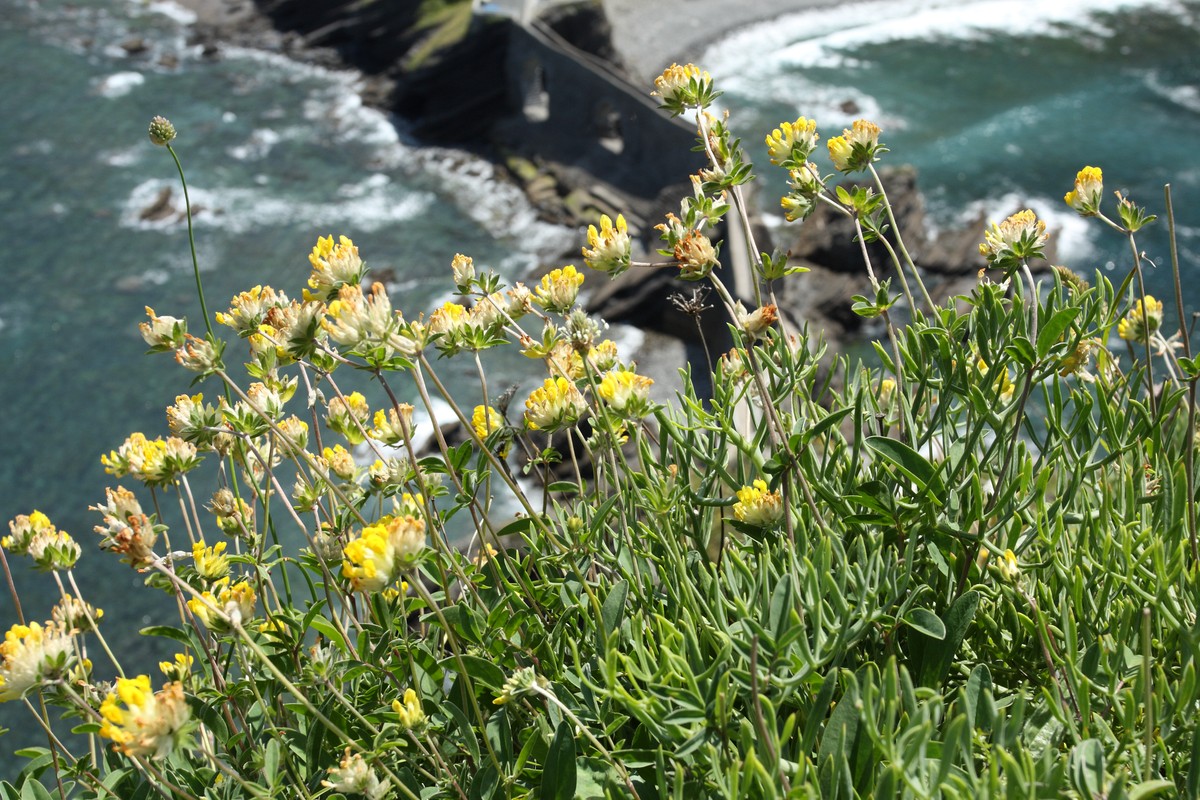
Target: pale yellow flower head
x,y
757,505
1089,188
53,550
610,246
210,562
333,266
556,404
1142,321
163,333
792,142
198,355
626,393
558,290
224,605
410,712
339,461
683,87
179,668
30,653
24,528
369,561
1020,237
348,415
144,723
1008,567
75,615
354,776
757,322
393,425
248,310
463,268
856,148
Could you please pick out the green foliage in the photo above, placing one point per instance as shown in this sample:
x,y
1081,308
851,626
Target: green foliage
x,y
967,569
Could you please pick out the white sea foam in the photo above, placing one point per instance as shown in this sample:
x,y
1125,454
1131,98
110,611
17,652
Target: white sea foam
x,y
1186,97
258,146
172,11
118,84
245,208
825,37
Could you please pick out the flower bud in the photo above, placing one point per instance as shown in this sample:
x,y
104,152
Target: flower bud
x,y
162,132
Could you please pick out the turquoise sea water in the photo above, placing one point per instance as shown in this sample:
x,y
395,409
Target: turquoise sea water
x,y
998,104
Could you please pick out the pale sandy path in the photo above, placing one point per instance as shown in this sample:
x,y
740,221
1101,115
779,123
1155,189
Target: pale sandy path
x,y
651,34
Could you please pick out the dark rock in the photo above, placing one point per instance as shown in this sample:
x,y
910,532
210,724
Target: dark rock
x,y
160,207
135,45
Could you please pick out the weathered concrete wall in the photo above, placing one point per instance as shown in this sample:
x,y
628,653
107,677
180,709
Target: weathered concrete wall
x,y
568,106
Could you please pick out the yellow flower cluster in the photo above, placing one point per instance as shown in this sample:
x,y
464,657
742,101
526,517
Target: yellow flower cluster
x,y
757,505
155,462
558,290
1143,320
333,266
224,605
1020,237
856,148
611,247
626,392
412,716
248,310
792,143
392,545
1085,197
556,404
126,529
144,723
394,425
35,536
30,653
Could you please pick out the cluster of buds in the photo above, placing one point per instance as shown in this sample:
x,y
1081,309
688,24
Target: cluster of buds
x,y
35,536
790,145
349,416
234,515
805,186
410,712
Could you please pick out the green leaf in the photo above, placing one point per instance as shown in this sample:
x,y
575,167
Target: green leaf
x,y
1150,789
940,655
478,669
167,632
908,461
613,609
32,790
558,775
927,622
1052,329
1087,768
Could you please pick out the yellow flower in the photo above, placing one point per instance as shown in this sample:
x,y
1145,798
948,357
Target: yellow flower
x,y
886,387
333,266
248,310
792,142
611,247
211,562
53,550
410,712
1003,384
1008,567
348,416
339,461
1078,358
30,653
626,392
1085,197
223,605
556,404
485,420
558,290
489,313
369,561
1018,238
394,425
696,255
178,669
758,506
144,723
407,535
856,148
234,516
1142,319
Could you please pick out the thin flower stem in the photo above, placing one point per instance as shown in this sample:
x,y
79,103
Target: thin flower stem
x,y
549,697
887,204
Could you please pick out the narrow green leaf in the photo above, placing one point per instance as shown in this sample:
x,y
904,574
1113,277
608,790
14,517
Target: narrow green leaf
x,y
613,609
558,775
907,461
1150,789
167,632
